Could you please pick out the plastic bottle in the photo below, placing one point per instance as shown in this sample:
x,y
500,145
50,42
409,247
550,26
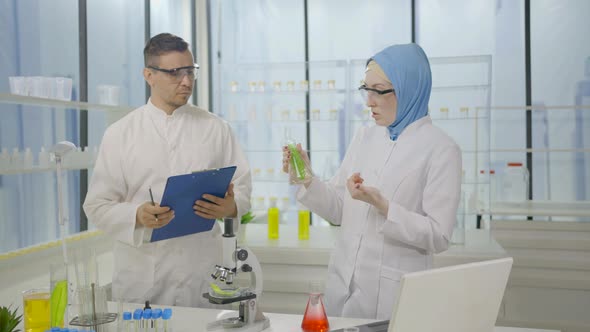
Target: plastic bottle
x,y
4,159
483,194
273,219
43,158
27,159
315,318
303,224
515,183
16,159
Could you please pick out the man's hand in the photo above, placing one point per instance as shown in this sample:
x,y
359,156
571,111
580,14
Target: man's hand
x,y
217,207
366,194
151,216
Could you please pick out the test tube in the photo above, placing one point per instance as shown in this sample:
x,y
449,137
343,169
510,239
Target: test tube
x,y
136,319
166,315
156,315
127,321
147,320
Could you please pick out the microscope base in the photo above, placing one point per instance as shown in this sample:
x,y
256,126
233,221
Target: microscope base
x,y
226,320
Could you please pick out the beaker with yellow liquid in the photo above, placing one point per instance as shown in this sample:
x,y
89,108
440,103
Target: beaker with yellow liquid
x,y
36,310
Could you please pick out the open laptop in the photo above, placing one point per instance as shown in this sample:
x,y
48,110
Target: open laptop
x,y
459,298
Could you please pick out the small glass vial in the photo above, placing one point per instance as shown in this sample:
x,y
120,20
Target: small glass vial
x,y
303,224
285,114
270,173
252,86
233,86
256,173
317,84
301,115
315,114
261,86
333,114
269,113
291,86
273,219
276,85
464,112
304,85
444,113
331,84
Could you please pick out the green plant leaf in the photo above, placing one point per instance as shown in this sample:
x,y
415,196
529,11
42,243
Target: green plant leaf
x,y
9,319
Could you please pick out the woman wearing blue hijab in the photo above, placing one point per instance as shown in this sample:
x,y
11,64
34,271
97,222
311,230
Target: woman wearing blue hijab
x,y
396,193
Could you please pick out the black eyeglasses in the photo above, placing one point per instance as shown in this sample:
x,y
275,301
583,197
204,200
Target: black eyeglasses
x,y
367,92
178,74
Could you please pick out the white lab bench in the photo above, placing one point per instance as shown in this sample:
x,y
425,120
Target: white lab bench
x,y
289,264
196,319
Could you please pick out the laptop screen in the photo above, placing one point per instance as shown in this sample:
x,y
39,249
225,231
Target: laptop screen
x,y
459,298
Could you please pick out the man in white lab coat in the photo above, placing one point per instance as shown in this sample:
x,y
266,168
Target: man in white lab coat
x,y
165,137
396,193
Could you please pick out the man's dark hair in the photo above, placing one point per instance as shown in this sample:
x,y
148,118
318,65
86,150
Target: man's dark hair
x,y
162,44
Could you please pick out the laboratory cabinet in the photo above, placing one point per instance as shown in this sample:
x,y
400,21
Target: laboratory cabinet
x,y
30,126
318,104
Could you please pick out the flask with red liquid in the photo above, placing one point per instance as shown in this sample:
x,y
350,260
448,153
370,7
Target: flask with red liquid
x,y
315,319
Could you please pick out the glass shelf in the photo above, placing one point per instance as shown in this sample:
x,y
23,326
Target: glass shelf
x,y
294,92
541,208
251,122
37,169
7,98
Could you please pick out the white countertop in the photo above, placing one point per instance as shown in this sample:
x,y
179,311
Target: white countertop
x,y
479,245
196,319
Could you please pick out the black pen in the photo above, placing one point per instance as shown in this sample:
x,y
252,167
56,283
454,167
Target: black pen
x,y
152,198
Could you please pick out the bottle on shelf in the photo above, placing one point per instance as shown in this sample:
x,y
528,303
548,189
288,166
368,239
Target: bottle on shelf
x,y
317,84
331,84
291,86
276,85
252,86
464,112
304,85
27,159
444,112
315,114
261,86
4,159
493,188
515,183
233,86
483,195
16,159
273,219
43,158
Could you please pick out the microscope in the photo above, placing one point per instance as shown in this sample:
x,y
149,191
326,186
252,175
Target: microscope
x,y
222,289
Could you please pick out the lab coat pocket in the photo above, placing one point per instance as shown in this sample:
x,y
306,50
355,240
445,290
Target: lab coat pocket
x,y
389,282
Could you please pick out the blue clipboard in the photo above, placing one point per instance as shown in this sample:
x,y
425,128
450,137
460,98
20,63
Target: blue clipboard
x,y
180,195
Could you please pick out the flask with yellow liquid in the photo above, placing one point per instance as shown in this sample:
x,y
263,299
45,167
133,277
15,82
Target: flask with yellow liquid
x,y
273,219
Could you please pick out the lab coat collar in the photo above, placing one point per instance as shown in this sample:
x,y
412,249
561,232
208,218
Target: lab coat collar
x,y
414,127
153,109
